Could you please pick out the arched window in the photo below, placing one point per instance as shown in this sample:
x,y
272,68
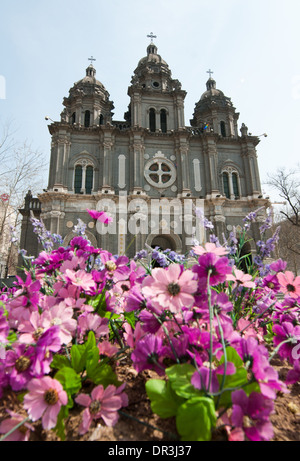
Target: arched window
x,y
163,120
226,185
223,129
73,119
235,185
89,179
87,118
101,119
83,177
78,179
152,123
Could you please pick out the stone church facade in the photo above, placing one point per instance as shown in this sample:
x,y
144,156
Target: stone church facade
x,y
151,169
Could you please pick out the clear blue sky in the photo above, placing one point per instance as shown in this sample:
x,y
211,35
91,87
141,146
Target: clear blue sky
x,y
251,45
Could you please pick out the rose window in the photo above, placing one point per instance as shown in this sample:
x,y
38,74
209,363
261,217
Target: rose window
x,y
160,172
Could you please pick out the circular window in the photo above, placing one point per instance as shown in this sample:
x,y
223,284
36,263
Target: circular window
x,y
155,84
160,172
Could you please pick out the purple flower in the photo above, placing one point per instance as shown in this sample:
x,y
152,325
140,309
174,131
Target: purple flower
x,y
19,366
252,415
256,358
47,344
218,268
278,266
147,354
4,327
284,332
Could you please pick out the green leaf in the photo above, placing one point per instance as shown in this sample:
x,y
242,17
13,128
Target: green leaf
x,y
60,425
60,361
99,304
69,380
164,401
232,356
196,418
103,374
80,352
130,317
239,379
180,379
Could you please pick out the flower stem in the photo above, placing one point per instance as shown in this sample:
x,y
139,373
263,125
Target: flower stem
x,y
211,314
14,428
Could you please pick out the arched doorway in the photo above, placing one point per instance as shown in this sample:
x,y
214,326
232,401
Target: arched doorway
x,y
164,242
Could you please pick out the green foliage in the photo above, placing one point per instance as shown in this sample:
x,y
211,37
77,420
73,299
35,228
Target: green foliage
x,y
196,418
164,401
195,414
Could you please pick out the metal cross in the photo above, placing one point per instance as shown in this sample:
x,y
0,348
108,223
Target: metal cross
x,y
209,72
152,36
91,59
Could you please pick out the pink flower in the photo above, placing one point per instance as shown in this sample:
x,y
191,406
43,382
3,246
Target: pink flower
x,y
107,349
252,415
241,279
210,248
218,268
44,400
92,322
103,403
100,216
81,279
289,284
61,315
170,288
19,435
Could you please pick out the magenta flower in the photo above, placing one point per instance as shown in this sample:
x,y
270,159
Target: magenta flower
x,y
256,358
293,376
218,268
201,377
100,216
44,400
147,354
18,435
103,403
4,327
278,266
171,288
284,332
19,366
92,322
270,282
4,379
47,344
115,269
289,284
252,415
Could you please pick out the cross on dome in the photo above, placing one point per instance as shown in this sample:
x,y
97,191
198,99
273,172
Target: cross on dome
x,y
152,36
209,72
91,59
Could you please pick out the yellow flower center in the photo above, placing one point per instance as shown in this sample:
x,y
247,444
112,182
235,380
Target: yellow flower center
x,y
110,266
95,407
51,396
22,363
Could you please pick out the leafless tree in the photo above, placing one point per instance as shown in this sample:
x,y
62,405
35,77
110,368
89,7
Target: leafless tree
x,y
21,169
287,185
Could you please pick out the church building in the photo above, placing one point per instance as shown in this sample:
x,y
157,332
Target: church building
x,y
150,170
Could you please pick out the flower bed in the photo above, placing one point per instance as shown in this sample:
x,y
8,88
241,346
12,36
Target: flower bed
x,y
184,347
